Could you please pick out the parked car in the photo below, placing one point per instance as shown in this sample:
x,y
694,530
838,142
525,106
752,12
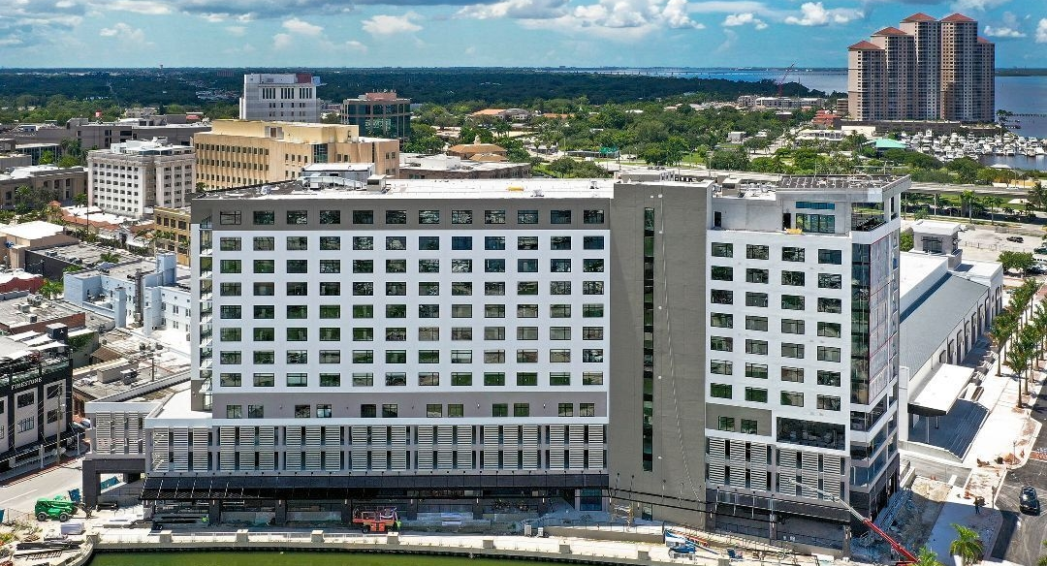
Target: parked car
x,y
1015,239
1028,502
1040,250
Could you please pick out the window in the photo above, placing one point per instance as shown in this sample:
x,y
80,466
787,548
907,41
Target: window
x,y
829,378
559,216
396,243
323,411
330,289
790,350
830,281
565,409
527,217
462,333
500,410
363,379
792,399
756,347
264,217
364,217
830,257
264,312
592,378
793,254
527,333
256,411
428,266
297,243
396,266
395,379
793,302
757,252
721,344
757,323
494,242
330,217
527,242
817,223
494,332
230,266
297,289
721,320
297,266
429,288
365,243
434,410
526,378
757,276
359,266
428,311
749,426
564,333
461,242
461,266
720,390
264,289
592,355
494,217
592,310
494,379
560,311
527,288
332,311
494,265
721,367
527,311
230,334
330,380
829,329
758,371
834,306
229,244
560,265
396,217
588,287
827,354
494,356
363,356
390,410
592,242
592,216
560,379
722,273
335,266
592,265
794,375
229,218
268,334
297,357
428,216
755,395
725,423
234,411
828,403
721,249
264,380
363,334
462,379
428,243
229,289
297,379
793,278
399,334
495,311
755,299
297,217
229,312
264,357
368,411
521,409
264,243
461,217
792,326
392,288
527,356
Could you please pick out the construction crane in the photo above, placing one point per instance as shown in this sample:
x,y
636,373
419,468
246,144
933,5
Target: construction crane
x,y
908,558
781,82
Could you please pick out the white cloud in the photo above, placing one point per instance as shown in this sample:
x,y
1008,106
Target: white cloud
x,y
354,45
149,7
1002,32
615,20
727,7
236,31
1041,31
29,22
391,25
124,32
282,41
735,20
519,9
977,5
816,14
301,27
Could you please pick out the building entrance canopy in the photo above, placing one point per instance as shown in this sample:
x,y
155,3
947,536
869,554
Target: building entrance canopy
x,y
941,391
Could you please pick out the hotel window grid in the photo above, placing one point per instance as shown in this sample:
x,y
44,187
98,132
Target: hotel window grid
x,y
648,339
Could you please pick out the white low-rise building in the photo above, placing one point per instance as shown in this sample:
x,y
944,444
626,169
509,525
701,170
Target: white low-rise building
x,y
130,178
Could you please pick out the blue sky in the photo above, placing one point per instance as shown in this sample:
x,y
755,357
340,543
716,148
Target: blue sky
x,y
437,33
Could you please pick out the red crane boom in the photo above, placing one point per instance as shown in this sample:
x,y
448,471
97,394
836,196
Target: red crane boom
x,y
781,81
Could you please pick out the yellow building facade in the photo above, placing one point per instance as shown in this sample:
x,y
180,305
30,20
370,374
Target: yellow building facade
x,y
236,153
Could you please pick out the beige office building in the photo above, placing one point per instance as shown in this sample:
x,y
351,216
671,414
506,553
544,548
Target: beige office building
x,y
236,153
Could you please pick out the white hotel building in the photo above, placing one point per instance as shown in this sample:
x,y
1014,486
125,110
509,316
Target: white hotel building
x,y
442,345
133,176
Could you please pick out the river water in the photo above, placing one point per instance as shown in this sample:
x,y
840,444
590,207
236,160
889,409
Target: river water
x,y
284,559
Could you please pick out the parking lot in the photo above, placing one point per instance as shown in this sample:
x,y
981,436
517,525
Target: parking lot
x,y
984,243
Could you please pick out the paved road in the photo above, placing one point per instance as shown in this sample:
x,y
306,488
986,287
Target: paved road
x,y
1021,537
21,495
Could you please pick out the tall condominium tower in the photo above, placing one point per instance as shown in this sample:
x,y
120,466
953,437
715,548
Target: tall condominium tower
x,y
928,70
289,97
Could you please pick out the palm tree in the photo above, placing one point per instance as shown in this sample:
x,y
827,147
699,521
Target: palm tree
x,y
1037,196
927,557
1031,338
968,545
967,200
993,203
1018,359
51,289
1002,328
109,257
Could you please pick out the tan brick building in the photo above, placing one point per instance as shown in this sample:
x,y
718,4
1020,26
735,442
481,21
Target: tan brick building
x,y
236,153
